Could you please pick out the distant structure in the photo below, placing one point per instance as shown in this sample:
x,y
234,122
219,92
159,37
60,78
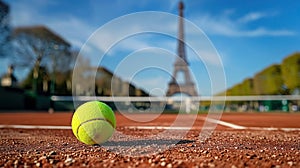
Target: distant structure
x,y
181,64
107,84
9,79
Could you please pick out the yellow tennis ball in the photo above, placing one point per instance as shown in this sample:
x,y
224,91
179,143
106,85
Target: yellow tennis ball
x,y
93,123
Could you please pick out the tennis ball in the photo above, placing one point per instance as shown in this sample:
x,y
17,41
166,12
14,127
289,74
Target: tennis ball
x,y
93,122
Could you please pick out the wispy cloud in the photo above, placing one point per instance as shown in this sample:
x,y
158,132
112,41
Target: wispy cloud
x,y
116,40
71,28
226,25
253,16
29,12
111,35
266,32
77,32
138,31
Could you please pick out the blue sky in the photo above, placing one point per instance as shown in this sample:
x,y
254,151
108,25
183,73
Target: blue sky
x,y
248,35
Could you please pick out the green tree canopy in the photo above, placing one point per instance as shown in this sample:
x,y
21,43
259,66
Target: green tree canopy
x,y
291,71
268,81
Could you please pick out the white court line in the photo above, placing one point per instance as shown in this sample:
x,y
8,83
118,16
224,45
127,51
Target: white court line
x,y
226,124
234,126
223,123
35,127
273,129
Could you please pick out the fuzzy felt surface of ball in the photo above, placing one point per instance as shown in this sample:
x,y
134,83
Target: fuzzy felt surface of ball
x,y
93,122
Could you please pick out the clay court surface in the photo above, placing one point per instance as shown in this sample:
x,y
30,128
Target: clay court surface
x,y
40,139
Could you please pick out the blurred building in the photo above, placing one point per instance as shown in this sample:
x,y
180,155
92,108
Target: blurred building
x,y
108,84
9,79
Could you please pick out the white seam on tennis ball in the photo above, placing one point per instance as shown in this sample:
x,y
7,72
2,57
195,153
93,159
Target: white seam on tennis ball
x,y
94,119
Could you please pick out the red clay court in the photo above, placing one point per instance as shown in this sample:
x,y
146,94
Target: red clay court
x,y
32,139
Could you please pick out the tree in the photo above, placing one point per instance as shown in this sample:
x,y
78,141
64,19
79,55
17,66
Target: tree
x,y
291,71
64,78
5,30
37,47
81,77
269,81
42,82
247,87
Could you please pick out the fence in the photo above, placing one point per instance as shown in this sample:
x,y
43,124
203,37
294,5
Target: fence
x,y
285,103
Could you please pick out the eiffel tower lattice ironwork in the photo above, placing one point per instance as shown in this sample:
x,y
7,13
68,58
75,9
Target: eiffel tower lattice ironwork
x,y
181,64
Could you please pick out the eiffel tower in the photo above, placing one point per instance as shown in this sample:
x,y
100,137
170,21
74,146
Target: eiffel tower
x,y
181,64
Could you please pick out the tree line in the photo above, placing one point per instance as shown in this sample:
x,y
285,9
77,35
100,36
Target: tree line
x,y
276,79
